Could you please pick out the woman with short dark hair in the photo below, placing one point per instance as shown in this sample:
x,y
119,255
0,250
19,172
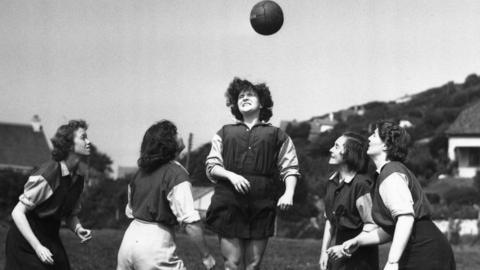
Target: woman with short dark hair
x,y
51,193
348,206
160,197
401,209
244,163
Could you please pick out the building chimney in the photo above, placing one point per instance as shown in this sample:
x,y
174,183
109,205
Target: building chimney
x,y
330,116
36,124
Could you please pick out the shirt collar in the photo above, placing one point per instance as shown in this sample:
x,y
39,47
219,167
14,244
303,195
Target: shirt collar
x,y
379,169
347,180
64,168
261,123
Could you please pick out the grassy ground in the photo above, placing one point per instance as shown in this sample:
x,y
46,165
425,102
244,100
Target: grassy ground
x,y
281,254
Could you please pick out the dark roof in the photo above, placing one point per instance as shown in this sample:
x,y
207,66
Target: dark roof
x,y
467,122
21,146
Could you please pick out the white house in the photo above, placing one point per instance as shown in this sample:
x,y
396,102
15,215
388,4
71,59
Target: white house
x,y
202,197
464,141
319,125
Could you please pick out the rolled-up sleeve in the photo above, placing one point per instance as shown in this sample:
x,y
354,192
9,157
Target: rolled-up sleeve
x,y
396,195
287,160
181,203
214,158
36,191
364,207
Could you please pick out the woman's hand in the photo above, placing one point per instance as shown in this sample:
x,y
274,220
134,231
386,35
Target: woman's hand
x,y
84,234
285,202
337,252
239,182
323,261
350,246
391,266
209,262
44,254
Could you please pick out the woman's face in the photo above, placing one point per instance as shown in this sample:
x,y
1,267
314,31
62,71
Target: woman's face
x,y
337,151
248,102
375,144
81,144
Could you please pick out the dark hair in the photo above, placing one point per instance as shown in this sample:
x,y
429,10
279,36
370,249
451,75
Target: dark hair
x,y
159,146
355,155
396,140
62,141
262,90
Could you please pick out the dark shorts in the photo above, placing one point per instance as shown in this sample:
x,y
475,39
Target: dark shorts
x,y
427,249
250,216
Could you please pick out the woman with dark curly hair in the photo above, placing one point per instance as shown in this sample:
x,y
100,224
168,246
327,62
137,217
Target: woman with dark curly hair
x,y
160,197
245,162
51,193
348,206
401,209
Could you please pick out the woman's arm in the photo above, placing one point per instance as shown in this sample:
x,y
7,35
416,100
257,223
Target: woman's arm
x,y
403,230
376,236
286,200
181,204
327,237
195,232
20,219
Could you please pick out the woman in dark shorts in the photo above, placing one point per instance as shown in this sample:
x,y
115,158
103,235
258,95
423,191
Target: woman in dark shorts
x,y
348,206
401,209
244,162
51,193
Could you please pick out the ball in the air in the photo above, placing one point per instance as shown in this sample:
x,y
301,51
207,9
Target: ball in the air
x,y
266,17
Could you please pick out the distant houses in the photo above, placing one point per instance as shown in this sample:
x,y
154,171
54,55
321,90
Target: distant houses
x,y
23,146
321,124
464,141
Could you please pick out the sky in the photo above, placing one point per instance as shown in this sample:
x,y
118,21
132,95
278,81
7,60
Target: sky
x,y
123,65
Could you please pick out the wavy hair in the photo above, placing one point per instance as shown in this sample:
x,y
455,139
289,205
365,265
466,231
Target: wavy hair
x,y
355,155
396,139
159,146
262,90
62,141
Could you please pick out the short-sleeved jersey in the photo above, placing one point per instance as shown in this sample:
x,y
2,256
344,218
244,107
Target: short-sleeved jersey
x,y
341,201
52,192
149,191
381,214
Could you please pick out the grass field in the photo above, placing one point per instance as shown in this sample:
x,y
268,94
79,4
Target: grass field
x,y
281,254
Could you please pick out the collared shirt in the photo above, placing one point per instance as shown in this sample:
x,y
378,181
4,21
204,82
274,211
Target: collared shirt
x,y
262,150
348,202
53,191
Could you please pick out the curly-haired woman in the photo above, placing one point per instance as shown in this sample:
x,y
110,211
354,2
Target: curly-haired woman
x,y
400,208
244,162
51,193
160,197
348,206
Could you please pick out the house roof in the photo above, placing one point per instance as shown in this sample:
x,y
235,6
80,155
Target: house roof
x,y
20,145
198,191
467,122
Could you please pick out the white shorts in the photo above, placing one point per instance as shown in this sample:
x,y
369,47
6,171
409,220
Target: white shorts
x,y
148,246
